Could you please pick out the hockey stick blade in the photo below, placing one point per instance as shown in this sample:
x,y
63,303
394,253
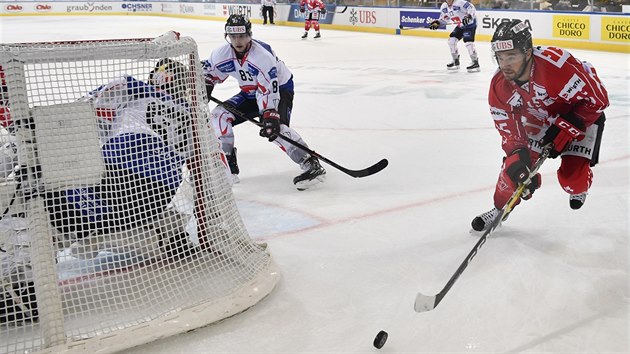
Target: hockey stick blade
x,y
377,167
425,303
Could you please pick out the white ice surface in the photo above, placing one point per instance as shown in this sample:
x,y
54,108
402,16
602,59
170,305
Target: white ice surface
x,y
354,252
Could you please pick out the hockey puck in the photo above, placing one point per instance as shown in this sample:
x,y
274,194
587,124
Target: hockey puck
x,y
380,339
401,26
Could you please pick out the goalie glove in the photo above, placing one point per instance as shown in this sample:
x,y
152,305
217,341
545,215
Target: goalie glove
x,y
562,132
209,88
270,124
466,20
434,25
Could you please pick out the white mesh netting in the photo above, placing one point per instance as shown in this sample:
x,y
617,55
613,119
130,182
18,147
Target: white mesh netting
x,y
118,223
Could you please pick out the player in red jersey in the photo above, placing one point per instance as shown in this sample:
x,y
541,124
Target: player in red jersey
x,y
313,10
543,96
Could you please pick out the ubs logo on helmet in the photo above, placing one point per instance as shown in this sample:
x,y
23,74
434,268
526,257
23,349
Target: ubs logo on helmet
x,y
498,46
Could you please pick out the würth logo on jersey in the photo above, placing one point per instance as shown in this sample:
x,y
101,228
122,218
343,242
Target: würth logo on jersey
x,y
572,87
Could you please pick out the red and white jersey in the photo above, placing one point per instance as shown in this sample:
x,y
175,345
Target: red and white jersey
x,y
456,13
260,74
312,7
558,84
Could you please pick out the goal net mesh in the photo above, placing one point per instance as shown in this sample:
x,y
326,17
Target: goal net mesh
x,y
118,222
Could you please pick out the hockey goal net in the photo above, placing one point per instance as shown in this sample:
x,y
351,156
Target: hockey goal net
x,y
118,223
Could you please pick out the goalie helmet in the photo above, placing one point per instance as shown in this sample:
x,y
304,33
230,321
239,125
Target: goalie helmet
x,y
510,35
170,76
237,24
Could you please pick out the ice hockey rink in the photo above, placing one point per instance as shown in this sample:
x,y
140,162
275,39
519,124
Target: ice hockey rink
x,y
354,252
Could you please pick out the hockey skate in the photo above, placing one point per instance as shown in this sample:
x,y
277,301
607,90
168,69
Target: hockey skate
x,y
454,65
317,35
577,200
233,164
474,67
305,35
313,174
483,221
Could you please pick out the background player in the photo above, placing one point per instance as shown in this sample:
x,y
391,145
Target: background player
x,y
543,96
266,92
462,14
268,7
312,9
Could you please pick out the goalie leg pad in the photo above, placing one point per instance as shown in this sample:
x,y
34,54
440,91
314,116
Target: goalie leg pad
x,y
17,291
164,237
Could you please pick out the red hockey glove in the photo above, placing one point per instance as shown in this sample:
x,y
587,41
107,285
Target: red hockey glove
x,y
466,20
563,131
517,165
434,25
270,127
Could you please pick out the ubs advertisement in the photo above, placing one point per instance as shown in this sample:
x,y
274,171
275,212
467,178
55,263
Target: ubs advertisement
x,y
616,29
571,27
417,19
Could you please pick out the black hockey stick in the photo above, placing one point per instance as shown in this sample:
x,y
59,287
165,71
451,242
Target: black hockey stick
x,y
427,303
404,28
342,11
377,167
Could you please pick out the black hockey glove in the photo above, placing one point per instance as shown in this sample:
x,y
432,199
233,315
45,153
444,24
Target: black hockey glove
x,y
466,20
302,9
209,88
270,127
563,132
517,165
434,25
323,11
534,183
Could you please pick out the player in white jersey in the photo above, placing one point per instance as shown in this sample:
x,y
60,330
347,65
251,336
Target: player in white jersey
x,y
266,92
144,133
461,13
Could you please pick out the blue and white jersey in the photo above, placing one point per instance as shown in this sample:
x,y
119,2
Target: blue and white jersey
x,y
456,13
260,74
143,131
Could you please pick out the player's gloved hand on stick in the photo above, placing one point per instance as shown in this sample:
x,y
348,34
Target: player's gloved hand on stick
x,y
270,124
434,25
562,132
466,20
323,11
517,165
534,183
302,9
